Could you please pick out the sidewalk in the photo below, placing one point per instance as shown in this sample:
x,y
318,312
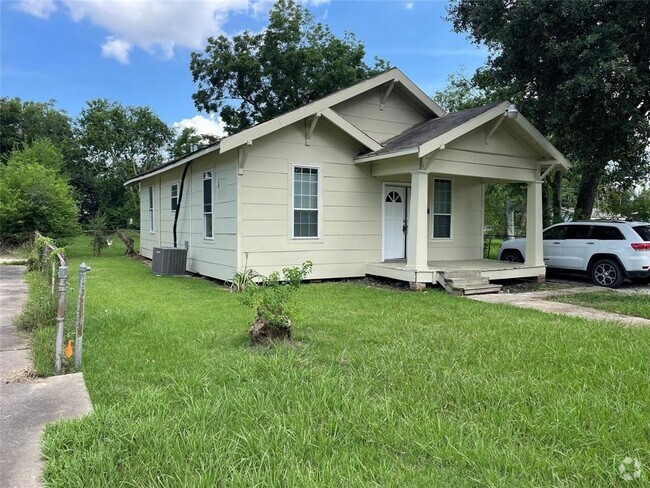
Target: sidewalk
x,y
27,403
538,301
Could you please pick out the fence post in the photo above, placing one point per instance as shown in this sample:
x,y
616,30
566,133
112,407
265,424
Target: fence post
x,y
60,317
81,301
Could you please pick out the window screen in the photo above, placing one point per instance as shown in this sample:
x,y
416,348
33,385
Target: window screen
x,y
441,209
305,202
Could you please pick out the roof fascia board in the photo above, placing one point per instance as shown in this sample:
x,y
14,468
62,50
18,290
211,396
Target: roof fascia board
x,y
178,163
379,157
425,99
351,130
542,141
435,143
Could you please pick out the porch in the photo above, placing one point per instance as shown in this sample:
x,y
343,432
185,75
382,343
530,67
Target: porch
x,y
435,270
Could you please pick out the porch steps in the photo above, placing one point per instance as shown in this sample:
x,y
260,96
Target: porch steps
x,y
466,283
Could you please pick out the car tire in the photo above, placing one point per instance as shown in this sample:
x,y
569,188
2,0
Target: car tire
x,y
512,256
607,273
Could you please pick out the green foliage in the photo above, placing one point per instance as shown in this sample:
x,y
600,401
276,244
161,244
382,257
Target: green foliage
x,y
626,203
40,308
272,297
118,142
462,93
22,123
240,281
579,71
292,62
99,234
34,197
189,140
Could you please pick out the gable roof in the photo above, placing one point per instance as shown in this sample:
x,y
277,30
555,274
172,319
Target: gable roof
x,y
393,75
429,129
320,107
424,138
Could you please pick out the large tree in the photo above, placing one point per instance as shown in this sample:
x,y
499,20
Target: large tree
x,y
117,143
580,70
292,62
21,123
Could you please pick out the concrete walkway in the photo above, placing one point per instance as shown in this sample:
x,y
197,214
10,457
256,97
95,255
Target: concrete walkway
x,y
27,403
537,301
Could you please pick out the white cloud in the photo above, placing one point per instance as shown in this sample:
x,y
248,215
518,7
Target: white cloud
x,y
203,125
38,8
117,49
157,26
408,5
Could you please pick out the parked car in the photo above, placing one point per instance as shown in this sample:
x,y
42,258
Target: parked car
x,y
608,251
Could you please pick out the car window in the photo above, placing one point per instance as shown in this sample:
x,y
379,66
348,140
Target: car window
x,y
643,231
555,233
607,233
579,232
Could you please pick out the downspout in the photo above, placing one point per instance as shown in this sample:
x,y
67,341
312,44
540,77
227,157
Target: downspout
x,y
180,199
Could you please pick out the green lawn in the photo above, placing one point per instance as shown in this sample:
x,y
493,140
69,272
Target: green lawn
x,y
380,388
637,305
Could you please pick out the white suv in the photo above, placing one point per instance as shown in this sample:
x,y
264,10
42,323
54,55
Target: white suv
x,y
608,251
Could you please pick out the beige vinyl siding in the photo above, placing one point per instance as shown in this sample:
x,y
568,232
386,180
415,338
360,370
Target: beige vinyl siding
x,y
363,111
466,241
349,207
216,258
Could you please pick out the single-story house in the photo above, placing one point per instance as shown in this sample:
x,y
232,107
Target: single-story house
x,y
373,179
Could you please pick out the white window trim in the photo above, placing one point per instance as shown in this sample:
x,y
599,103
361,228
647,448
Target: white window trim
x,y
212,193
451,212
319,203
151,197
178,189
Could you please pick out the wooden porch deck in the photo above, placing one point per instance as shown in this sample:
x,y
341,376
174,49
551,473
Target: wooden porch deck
x,y
488,268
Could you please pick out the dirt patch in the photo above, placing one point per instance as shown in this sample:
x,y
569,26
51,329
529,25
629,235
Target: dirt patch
x,y
23,376
530,286
378,282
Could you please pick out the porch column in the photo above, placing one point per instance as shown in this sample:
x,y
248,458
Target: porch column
x,y
534,224
416,237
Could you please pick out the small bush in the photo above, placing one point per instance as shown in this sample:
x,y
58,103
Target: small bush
x,y
99,230
40,308
272,297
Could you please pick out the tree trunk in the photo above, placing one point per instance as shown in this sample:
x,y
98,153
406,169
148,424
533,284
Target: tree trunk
x,y
546,206
510,219
586,194
557,197
129,242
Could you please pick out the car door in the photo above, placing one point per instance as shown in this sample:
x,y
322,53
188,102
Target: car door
x,y
553,243
580,243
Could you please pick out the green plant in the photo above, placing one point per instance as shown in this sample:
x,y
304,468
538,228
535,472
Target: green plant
x,y
99,232
271,298
240,281
40,308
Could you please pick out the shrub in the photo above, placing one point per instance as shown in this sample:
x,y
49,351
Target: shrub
x,y
272,301
99,232
35,197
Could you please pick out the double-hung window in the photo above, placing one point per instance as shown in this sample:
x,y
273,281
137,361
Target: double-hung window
x,y
151,227
305,202
207,204
174,198
441,209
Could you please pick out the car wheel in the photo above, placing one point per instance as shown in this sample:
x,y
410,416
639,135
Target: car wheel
x,y
607,273
512,257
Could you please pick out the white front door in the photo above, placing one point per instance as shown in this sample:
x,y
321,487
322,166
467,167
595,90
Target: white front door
x,y
395,222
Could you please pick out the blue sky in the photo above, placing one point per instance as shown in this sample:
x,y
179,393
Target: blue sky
x,y
137,51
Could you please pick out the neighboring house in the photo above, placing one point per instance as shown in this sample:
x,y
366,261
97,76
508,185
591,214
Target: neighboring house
x,y
373,179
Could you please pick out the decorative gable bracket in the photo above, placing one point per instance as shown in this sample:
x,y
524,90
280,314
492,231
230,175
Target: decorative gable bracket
x,y
311,123
242,156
